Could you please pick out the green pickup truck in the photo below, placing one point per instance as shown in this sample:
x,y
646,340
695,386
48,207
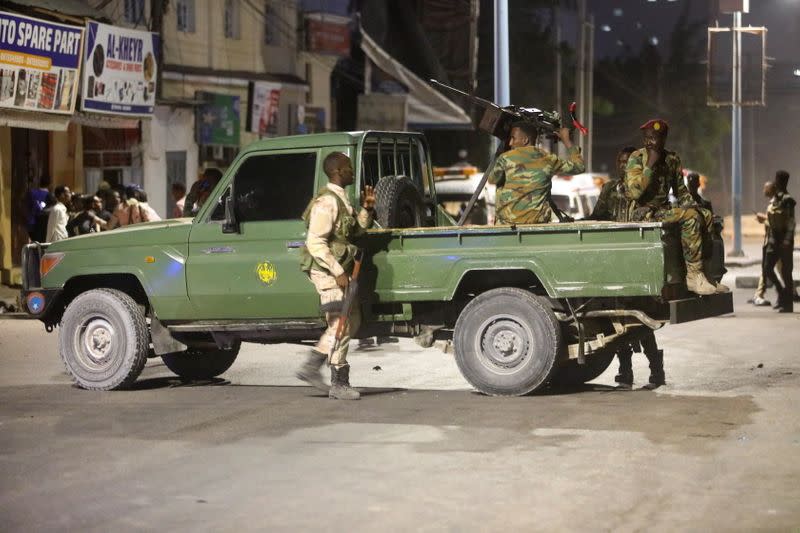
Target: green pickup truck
x,y
521,307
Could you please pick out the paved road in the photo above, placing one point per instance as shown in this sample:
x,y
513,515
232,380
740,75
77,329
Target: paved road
x,y
719,448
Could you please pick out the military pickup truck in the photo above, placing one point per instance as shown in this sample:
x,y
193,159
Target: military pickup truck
x,y
520,307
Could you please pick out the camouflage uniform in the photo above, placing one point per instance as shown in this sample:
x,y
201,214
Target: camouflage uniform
x,y
649,188
612,203
523,176
780,246
329,252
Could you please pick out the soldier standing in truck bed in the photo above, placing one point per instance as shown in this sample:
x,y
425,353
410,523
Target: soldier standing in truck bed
x,y
652,171
328,259
614,206
524,173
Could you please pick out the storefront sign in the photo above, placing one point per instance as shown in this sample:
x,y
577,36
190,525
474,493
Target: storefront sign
x,y
262,117
327,34
378,111
119,72
217,121
39,64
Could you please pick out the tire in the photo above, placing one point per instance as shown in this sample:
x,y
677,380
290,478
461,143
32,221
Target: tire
x,y
104,340
398,203
570,373
194,364
506,320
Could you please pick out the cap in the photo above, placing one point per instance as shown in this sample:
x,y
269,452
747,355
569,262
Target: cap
x,y
656,124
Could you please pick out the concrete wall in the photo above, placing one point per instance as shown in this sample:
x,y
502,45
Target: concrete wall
x,y
170,129
5,205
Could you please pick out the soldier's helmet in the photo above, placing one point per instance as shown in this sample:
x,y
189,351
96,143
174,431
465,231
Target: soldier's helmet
x,y
657,124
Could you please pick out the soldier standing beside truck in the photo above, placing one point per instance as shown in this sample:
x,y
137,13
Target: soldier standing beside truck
x,y
651,172
524,173
328,259
613,205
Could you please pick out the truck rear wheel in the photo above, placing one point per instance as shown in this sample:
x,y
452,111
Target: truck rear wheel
x,y
103,340
506,342
200,364
570,373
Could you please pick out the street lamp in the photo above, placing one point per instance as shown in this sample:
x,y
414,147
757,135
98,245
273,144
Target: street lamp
x,y
796,72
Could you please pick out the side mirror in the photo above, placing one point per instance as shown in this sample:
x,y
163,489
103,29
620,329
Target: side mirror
x,y
231,225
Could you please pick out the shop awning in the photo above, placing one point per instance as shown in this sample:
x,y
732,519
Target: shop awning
x,y
96,120
34,120
427,107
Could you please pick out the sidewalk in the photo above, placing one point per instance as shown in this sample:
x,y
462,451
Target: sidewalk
x,y
743,272
8,299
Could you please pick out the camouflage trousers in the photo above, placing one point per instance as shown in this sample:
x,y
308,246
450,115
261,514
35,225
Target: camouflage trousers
x,y
692,223
507,215
330,300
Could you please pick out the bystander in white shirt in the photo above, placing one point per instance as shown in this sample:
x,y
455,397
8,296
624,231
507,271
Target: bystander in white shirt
x,y
57,223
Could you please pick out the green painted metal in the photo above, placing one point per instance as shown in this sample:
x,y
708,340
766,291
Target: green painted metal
x,y
192,270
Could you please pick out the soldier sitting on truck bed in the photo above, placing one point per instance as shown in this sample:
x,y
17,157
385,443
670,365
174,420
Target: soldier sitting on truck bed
x,y
651,172
523,176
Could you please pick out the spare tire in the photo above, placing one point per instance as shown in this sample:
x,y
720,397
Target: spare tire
x,y
398,203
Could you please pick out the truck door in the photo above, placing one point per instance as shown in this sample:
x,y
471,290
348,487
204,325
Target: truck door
x,y
255,273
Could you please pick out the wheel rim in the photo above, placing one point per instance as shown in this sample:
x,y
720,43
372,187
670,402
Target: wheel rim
x,y
95,342
504,344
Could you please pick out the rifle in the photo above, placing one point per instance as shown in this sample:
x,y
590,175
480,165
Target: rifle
x,y
350,294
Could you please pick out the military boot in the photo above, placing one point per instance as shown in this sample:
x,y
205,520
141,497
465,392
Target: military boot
x,y
310,371
696,281
624,376
657,377
340,384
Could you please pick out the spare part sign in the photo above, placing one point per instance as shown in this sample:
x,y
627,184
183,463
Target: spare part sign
x,y
39,63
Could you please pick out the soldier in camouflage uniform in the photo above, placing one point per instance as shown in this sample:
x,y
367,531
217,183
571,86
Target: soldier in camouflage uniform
x,y
651,172
780,242
328,259
614,205
523,176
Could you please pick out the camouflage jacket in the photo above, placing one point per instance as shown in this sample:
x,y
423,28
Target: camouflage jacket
x,y
649,187
523,176
612,203
780,220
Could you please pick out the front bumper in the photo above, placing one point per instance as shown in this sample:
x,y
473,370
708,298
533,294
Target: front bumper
x,y
33,298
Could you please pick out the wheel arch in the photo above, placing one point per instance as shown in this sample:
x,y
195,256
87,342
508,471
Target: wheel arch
x,y
128,283
482,278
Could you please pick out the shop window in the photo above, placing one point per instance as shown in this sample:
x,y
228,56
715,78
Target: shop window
x,y
134,12
184,9
274,187
232,22
272,25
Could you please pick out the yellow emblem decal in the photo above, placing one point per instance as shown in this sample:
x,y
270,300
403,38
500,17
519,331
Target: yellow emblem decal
x,y
267,273
657,126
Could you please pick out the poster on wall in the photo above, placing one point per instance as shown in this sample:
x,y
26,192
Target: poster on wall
x,y
262,117
39,64
119,74
217,119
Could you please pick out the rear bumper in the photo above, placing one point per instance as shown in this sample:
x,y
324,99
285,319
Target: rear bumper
x,y
700,307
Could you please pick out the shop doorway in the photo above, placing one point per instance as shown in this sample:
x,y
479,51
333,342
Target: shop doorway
x,y
30,160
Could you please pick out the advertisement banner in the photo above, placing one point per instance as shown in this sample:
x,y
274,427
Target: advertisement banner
x,y
39,63
119,73
262,117
326,36
217,120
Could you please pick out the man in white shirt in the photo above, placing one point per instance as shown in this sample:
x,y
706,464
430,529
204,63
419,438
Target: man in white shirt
x,y
58,218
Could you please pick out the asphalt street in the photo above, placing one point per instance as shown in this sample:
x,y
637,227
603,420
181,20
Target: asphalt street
x,y
717,449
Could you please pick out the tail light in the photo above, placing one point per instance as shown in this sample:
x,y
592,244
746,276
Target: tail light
x,y
48,262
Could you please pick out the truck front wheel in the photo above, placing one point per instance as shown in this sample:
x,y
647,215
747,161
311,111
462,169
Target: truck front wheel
x,y
103,340
194,364
506,342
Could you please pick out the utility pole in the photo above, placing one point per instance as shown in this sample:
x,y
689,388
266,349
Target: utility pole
x,y
157,26
502,95
736,135
580,74
589,102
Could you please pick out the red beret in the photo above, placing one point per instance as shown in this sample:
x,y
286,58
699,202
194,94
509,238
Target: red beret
x,y
657,124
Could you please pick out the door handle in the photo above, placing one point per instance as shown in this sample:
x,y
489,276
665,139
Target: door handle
x,y
295,244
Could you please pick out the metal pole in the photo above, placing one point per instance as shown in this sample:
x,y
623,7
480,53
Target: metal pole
x,y
501,75
559,104
736,136
590,98
580,76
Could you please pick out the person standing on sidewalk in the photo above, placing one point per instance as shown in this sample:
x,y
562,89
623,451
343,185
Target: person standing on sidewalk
x,y
328,259
59,215
780,242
